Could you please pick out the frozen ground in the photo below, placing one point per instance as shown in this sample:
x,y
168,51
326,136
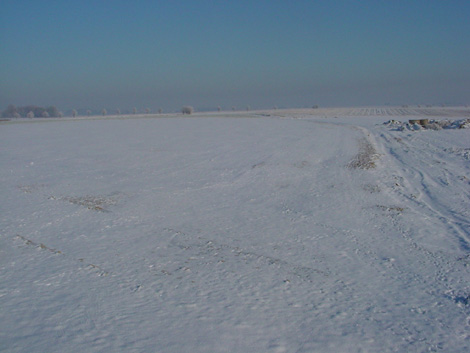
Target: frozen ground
x,y
276,232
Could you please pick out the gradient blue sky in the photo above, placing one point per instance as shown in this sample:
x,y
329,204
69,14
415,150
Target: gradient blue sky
x,y
265,53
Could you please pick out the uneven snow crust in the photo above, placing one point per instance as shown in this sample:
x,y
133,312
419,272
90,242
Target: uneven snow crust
x,y
280,233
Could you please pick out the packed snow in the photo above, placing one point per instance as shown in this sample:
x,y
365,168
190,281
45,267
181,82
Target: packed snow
x,y
281,231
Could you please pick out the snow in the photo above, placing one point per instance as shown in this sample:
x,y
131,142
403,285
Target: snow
x,y
285,231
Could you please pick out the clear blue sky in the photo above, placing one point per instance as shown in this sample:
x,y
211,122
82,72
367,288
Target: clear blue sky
x,y
258,53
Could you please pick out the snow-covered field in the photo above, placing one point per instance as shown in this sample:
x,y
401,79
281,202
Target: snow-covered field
x,y
285,231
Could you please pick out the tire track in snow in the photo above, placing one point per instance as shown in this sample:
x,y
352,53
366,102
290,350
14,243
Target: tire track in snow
x,y
454,289
421,194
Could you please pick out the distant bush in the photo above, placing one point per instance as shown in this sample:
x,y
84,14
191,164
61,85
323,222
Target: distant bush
x,y
187,110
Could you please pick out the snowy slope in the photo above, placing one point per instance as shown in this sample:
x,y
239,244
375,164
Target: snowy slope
x,y
281,233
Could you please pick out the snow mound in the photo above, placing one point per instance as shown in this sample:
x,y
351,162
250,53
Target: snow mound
x,y
428,124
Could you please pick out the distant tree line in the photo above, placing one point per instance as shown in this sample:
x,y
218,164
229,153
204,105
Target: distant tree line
x,y
31,111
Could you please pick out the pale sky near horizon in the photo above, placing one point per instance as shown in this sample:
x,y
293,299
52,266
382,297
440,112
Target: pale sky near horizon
x,y
166,54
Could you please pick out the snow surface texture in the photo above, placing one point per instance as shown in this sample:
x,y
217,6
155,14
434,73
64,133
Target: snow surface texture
x,y
274,232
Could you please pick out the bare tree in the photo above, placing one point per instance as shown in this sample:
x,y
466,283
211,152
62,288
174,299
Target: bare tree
x,y
10,111
45,114
160,111
88,112
187,110
104,112
134,110
219,109
74,113
118,111
30,115
147,111
53,111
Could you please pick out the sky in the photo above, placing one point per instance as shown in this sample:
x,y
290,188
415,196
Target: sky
x,y
255,53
